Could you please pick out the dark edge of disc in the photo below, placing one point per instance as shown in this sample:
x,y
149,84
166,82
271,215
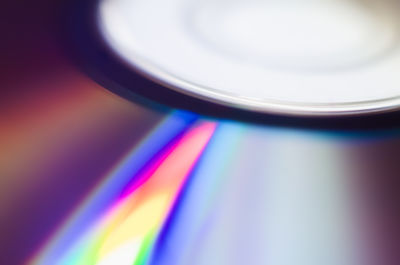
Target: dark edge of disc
x,y
80,35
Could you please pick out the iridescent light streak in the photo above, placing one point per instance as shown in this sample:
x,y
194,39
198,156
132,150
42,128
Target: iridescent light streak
x,y
106,192
198,200
125,233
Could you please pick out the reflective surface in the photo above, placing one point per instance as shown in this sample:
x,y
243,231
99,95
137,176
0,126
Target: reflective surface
x,y
87,177
301,58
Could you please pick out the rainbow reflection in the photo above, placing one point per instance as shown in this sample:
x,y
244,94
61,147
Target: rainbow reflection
x,y
124,231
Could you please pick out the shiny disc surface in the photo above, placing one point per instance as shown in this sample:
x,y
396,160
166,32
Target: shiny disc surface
x,y
304,58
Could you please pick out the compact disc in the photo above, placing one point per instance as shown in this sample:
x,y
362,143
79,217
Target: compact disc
x,y
304,58
90,178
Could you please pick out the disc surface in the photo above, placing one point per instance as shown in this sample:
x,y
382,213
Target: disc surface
x,y
306,57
